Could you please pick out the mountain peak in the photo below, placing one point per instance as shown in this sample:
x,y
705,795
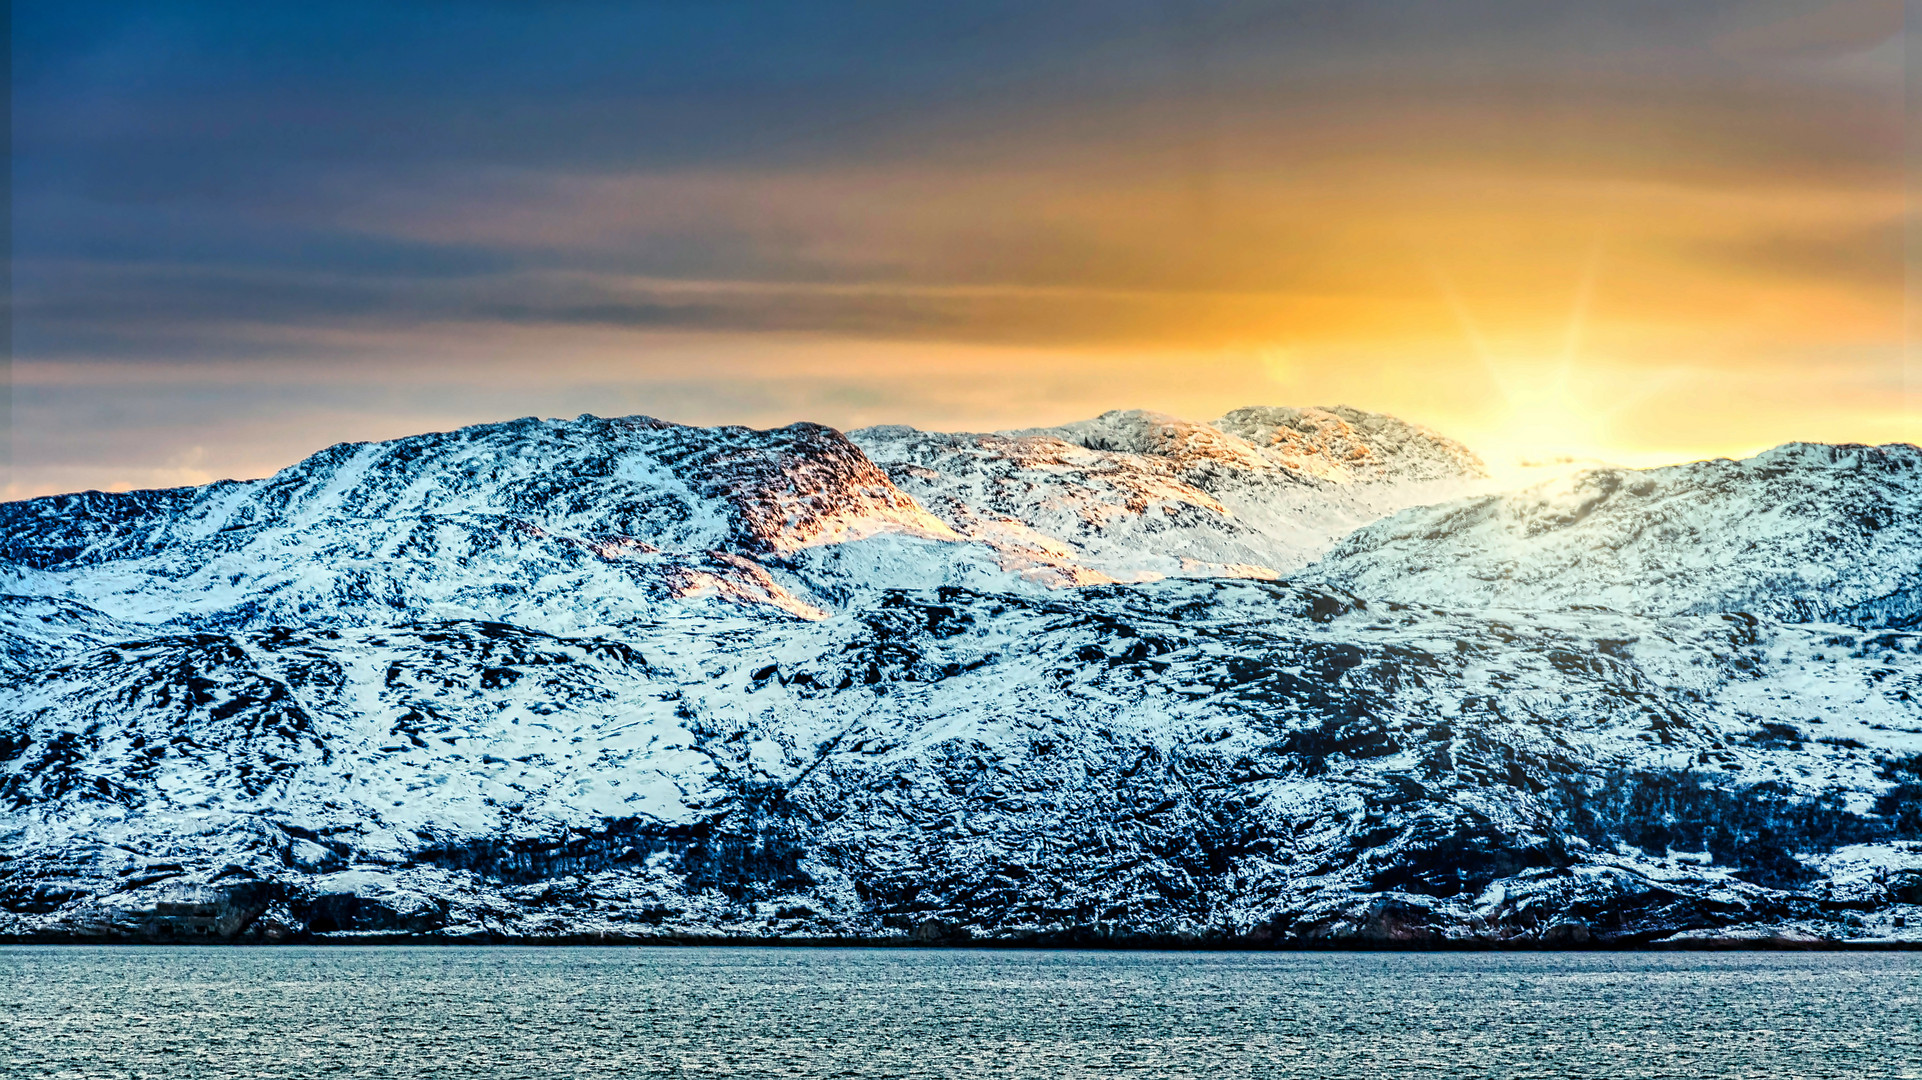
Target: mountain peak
x,y
1133,493
1349,443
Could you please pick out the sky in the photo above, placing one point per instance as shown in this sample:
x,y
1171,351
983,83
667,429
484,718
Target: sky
x,y
1635,230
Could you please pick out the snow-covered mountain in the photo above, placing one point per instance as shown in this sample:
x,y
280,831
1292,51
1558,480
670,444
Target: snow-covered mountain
x,y
1138,495
1804,532
620,679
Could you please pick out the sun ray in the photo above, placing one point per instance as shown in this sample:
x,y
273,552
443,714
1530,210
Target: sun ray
x,y
1477,341
1578,314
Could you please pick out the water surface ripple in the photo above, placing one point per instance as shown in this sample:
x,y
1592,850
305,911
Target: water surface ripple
x,y
486,1013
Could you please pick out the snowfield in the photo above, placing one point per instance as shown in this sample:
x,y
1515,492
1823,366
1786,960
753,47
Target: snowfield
x,y
1295,676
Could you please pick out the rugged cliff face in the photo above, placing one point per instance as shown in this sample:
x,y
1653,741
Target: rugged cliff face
x,y
617,679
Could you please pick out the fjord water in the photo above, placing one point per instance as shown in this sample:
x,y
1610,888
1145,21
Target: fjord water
x,y
489,1013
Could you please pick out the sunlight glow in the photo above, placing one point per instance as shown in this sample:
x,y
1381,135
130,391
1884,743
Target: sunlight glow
x,y
1553,414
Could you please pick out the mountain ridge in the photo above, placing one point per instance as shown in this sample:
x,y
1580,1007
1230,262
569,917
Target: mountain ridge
x,y
1736,535
628,680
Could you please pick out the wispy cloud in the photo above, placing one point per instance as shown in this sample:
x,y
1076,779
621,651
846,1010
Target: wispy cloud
x,y
285,194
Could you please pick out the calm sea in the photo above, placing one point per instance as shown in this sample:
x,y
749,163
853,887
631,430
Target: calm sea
x,y
292,1013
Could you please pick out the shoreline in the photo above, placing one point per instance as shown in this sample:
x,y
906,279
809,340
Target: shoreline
x,y
1762,944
